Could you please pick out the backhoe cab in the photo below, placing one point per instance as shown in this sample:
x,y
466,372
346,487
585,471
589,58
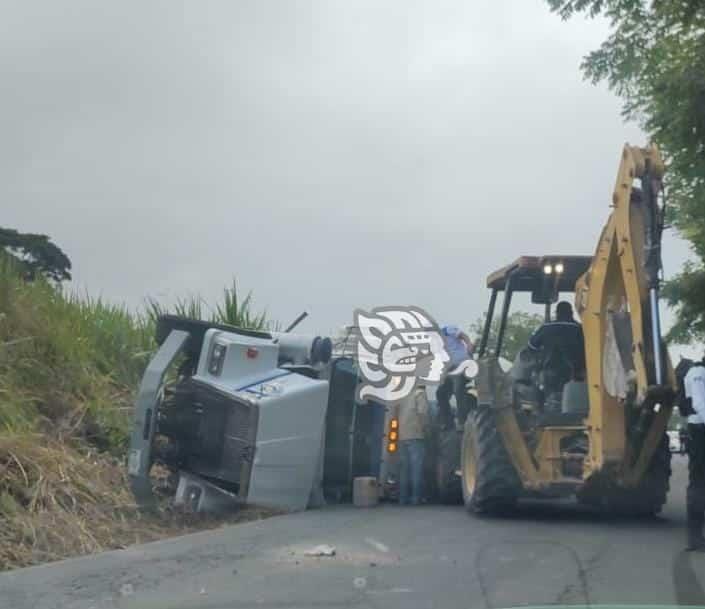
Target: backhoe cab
x,y
545,428
540,375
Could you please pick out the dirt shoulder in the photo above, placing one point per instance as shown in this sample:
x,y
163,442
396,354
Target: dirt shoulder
x,y
60,500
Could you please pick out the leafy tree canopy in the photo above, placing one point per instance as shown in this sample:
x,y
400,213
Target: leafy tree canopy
x,y
654,59
36,255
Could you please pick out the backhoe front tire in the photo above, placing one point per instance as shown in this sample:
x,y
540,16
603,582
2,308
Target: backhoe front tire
x,y
447,463
490,483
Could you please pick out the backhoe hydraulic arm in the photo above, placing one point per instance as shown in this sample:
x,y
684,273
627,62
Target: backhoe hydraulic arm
x,y
618,300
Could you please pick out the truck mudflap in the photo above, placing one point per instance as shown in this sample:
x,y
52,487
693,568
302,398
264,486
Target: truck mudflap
x,y
139,459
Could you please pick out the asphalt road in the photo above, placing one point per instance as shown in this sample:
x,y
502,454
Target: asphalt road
x,y
427,556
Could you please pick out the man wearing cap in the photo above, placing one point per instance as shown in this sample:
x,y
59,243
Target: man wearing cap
x,y
563,334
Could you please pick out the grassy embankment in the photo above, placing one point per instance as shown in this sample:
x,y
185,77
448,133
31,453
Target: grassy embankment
x,y
69,369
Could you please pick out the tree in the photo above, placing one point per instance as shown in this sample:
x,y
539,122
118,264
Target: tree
x,y
36,255
519,327
654,59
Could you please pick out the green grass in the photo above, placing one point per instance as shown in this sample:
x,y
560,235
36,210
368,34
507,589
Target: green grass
x,y
70,364
233,310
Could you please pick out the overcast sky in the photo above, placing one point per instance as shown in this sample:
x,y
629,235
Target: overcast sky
x,y
328,154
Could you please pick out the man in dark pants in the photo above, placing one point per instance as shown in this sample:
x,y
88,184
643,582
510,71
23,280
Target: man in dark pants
x,y
694,385
459,348
413,420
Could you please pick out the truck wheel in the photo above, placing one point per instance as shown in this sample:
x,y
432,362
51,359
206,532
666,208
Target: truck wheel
x,y
490,484
447,464
649,497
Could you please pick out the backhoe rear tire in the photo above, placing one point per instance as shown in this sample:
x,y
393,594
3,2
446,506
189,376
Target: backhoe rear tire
x,y
490,484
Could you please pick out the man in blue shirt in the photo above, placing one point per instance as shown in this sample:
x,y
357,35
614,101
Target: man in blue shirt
x,y
459,347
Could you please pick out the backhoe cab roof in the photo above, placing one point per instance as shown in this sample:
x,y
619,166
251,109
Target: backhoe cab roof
x,y
529,271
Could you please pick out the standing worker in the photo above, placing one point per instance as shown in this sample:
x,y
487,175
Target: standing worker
x,y
459,348
413,417
694,385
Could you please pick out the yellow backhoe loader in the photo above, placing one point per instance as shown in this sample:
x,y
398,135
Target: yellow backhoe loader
x,y
543,428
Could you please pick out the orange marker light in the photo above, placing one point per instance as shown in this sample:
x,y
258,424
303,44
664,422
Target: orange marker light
x,y
394,424
393,435
392,447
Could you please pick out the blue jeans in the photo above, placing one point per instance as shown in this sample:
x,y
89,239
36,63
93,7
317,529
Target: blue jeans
x,y
411,471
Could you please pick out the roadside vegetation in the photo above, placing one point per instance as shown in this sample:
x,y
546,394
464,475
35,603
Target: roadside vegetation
x,y
69,369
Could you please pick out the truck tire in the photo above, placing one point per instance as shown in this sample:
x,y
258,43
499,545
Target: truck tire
x,y
649,497
490,484
448,483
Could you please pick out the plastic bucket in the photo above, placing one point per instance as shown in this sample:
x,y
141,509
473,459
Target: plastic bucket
x,y
365,491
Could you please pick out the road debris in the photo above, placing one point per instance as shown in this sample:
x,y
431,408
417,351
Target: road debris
x,y
377,545
126,590
321,550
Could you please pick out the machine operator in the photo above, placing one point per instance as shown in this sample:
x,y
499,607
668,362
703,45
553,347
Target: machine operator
x,y
564,335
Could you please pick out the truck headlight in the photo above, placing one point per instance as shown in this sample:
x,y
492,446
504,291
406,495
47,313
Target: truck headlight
x,y
215,364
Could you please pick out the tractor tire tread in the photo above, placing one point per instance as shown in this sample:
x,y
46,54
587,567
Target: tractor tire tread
x,y
449,487
497,485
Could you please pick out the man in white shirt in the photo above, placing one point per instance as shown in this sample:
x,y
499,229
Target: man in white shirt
x,y
694,385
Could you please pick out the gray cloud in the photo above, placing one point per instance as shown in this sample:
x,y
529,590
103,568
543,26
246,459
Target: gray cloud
x,y
328,154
